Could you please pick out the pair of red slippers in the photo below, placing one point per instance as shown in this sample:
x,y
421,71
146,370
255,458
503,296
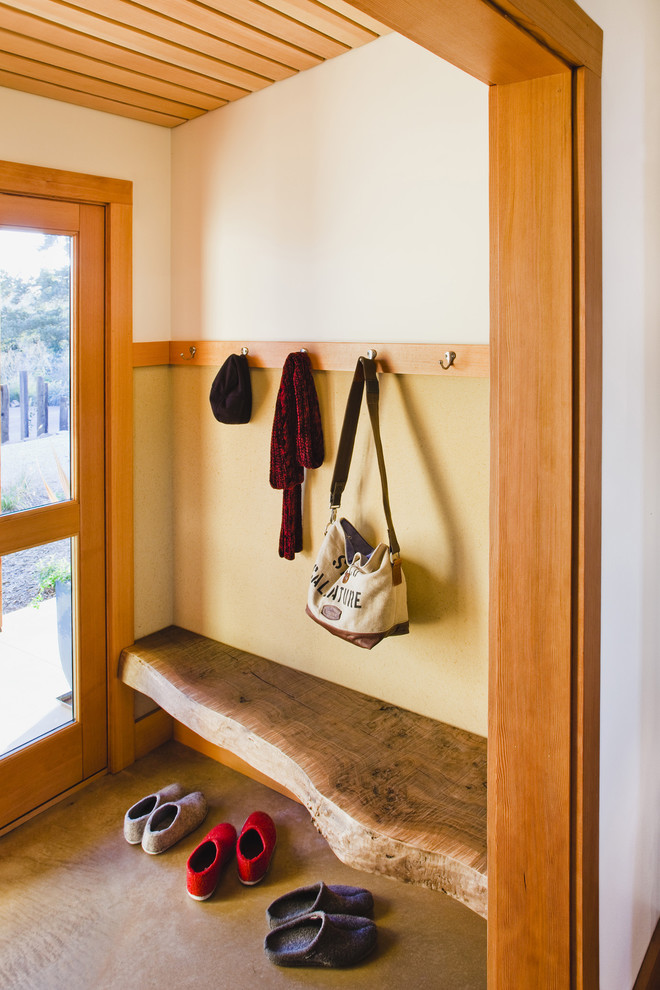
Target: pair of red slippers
x,y
254,849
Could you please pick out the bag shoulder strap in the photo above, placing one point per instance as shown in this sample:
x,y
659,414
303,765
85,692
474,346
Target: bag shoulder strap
x,y
365,374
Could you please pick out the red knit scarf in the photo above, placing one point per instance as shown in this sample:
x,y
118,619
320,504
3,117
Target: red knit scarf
x,y
296,443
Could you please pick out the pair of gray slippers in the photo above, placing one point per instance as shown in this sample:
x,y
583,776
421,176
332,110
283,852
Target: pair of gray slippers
x,y
321,925
159,820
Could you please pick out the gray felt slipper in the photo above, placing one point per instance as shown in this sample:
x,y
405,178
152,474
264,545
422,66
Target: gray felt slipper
x,y
172,821
320,939
136,817
336,899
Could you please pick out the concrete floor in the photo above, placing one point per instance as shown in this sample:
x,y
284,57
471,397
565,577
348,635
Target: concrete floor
x,y
80,909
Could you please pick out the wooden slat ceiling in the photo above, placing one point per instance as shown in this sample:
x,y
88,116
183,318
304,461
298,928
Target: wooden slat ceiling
x,y
167,61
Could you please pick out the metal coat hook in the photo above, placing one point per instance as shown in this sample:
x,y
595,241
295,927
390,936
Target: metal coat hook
x,y
303,350
193,351
371,354
450,357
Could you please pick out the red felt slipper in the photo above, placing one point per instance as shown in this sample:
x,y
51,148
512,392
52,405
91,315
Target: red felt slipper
x,y
206,861
255,846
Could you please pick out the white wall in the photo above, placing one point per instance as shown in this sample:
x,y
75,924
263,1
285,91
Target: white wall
x,y
630,707
348,203
37,131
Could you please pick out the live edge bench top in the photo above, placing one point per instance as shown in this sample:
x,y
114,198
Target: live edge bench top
x,y
393,792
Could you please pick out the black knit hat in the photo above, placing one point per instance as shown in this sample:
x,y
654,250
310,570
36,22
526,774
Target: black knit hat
x,y
231,392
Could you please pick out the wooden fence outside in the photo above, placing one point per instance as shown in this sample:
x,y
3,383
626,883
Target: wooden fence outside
x,y
41,409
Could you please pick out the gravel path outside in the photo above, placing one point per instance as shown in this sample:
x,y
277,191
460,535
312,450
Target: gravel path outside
x,y
30,465
20,573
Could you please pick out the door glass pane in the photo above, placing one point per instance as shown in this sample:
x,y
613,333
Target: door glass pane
x,y
35,380
36,656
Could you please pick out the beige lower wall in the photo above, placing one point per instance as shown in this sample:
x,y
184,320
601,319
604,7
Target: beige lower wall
x,y
153,501
230,583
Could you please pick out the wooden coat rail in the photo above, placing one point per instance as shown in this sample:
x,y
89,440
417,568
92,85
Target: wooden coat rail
x,y
471,361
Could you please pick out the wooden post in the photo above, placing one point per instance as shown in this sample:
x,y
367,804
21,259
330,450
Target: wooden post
x,y
587,523
530,658
42,407
64,414
4,413
24,404
119,479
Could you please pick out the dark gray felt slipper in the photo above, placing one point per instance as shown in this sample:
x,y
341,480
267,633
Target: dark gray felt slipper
x,y
336,899
320,939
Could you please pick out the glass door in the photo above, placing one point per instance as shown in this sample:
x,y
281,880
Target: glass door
x,y
53,729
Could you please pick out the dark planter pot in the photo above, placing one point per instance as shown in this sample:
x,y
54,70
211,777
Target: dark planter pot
x,y
63,603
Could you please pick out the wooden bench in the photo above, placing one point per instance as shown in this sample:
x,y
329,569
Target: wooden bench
x,y
392,792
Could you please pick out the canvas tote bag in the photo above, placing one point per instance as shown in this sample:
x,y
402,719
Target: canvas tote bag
x,y
357,591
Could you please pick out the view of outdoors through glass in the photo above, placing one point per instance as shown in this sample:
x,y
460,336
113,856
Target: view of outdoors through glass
x,y
36,657
35,290
36,686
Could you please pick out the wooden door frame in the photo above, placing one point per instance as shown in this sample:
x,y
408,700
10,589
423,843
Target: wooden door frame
x,y
116,196
542,62
77,751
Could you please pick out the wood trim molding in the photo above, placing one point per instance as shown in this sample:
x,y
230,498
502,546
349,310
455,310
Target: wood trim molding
x,y
152,731
53,183
471,360
55,766
587,413
88,410
500,42
119,478
561,26
149,353
42,525
44,214
473,35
